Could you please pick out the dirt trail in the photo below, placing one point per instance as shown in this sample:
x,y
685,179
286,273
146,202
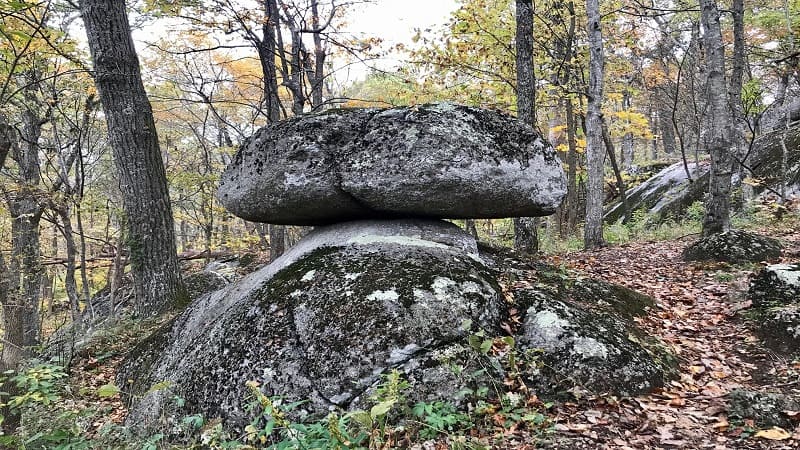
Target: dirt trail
x,y
696,316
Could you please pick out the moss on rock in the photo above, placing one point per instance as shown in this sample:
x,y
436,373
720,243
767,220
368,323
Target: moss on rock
x,y
733,246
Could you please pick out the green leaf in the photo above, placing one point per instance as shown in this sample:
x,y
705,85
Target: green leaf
x,y
382,408
107,390
159,386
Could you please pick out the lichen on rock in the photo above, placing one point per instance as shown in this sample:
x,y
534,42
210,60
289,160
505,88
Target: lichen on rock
x,y
438,161
734,246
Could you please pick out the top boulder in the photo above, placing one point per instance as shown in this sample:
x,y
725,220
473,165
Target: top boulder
x,y
438,160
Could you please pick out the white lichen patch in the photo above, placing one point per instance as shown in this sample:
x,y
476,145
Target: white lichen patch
x,y
292,179
399,355
309,275
444,288
470,287
341,398
549,325
787,273
389,295
352,276
371,239
296,293
588,347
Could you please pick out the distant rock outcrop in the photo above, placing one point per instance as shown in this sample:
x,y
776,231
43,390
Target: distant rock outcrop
x,y
436,161
670,192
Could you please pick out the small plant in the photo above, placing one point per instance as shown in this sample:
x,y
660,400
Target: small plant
x,y
440,418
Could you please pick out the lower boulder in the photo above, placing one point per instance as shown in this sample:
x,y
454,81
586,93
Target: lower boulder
x,y
322,323
775,285
779,328
595,350
733,246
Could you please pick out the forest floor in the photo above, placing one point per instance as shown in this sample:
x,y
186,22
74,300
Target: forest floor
x,y
696,315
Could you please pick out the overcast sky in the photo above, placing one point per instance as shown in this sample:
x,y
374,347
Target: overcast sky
x,y
395,21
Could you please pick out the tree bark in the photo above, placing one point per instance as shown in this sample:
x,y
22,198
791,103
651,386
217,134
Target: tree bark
x,y
738,122
717,214
526,238
620,182
137,156
593,232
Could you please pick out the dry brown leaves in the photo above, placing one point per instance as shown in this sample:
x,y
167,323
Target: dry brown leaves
x,y
696,318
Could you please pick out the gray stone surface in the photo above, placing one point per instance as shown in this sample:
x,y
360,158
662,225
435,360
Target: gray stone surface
x,y
323,322
779,327
355,300
438,161
665,195
766,409
597,351
734,246
775,285
669,193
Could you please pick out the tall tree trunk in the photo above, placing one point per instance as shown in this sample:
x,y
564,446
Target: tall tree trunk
x,y
526,238
626,155
740,145
277,241
70,283
667,129
267,52
134,141
316,76
717,215
593,232
572,167
22,275
615,167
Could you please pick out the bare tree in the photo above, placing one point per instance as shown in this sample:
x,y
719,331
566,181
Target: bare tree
x,y
526,238
133,137
717,215
595,154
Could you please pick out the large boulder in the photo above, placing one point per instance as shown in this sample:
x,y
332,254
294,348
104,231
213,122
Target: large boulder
x,y
775,285
775,295
733,246
438,161
667,194
594,349
322,323
779,328
352,301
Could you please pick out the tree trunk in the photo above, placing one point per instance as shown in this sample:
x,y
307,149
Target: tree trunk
x,y
572,167
134,141
526,239
593,232
626,155
717,215
70,283
277,241
615,167
316,76
667,130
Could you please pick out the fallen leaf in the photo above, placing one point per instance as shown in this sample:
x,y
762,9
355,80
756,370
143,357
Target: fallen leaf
x,y
774,434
